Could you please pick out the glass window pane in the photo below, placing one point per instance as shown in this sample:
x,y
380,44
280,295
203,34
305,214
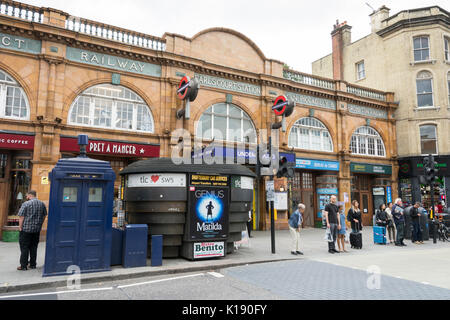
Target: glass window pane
x,y
70,194
425,100
428,132
249,131
235,112
417,43
204,127
293,138
234,130
424,86
95,194
220,128
220,109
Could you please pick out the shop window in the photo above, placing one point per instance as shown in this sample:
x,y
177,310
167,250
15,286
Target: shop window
x,y
428,139
13,101
310,134
424,85
421,48
112,107
367,141
3,164
226,122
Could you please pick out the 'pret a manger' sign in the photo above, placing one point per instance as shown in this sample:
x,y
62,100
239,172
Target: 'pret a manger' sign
x,y
111,148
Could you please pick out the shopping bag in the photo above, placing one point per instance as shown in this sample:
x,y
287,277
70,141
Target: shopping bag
x,y
347,237
328,237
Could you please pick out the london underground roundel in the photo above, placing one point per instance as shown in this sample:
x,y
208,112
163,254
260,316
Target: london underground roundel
x,y
280,101
183,87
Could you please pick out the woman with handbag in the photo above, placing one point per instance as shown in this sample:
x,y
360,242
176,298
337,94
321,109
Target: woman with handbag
x,y
390,223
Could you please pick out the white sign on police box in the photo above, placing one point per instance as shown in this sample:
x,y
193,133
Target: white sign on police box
x,y
209,249
156,180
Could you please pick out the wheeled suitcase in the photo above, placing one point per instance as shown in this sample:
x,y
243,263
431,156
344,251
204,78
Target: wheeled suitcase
x,y
379,234
356,240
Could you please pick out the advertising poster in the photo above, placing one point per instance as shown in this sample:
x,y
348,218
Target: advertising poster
x,y
208,208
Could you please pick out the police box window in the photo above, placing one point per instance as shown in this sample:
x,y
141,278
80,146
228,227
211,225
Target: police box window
x,y
95,194
70,194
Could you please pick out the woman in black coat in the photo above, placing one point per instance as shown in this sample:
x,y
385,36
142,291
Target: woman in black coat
x,y
381,217
354,216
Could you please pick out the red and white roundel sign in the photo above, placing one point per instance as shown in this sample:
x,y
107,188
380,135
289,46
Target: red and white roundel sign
x,y
183,88
279,100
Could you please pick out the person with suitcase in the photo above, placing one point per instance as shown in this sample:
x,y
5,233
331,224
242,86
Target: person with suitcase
x,y
331,217
391,224
355,219
379,231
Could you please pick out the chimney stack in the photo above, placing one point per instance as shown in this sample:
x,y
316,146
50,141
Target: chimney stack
x,y
340,37
377,17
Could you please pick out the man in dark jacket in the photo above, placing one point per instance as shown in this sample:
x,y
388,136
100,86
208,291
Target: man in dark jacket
x,y
399,220
415,221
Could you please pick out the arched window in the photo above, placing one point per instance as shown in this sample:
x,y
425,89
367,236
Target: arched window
x,y
310,134
424,82
366,141
228,122
112,107
428,139
13,101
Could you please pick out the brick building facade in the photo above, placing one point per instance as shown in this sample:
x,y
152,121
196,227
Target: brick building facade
x,y
61,76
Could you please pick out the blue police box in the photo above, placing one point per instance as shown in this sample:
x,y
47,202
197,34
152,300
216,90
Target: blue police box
x,y
80,215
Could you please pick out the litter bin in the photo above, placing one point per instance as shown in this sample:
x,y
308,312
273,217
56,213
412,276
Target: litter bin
x,y
135,246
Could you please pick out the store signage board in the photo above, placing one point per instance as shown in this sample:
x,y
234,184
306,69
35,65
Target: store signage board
x,y
378,191
111,148
316,164
208,209
16,141
370,168
388,194
16,43
145,180
209,249
112,62
327,191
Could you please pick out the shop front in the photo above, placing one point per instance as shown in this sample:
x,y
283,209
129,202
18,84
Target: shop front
x,y
16,153
314,182
411,188
370,186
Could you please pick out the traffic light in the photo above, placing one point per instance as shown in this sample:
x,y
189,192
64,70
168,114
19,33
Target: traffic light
x,y
187,91
285,169
429,168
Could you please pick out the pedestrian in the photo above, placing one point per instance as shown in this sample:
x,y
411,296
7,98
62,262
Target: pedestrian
x,y
381,217
333,223
249,223
342,231
399,220
415,220
354,217
295,222
31,217
391,224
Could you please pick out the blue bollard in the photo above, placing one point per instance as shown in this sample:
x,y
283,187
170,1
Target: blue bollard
x,y
157,247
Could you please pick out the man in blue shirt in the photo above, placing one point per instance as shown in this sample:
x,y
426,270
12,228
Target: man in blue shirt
x,y
295,222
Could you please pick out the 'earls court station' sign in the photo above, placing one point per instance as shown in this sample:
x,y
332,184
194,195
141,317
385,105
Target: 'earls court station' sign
x,y
8,41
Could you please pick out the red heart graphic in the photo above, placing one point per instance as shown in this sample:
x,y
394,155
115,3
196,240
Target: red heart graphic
x,y
155,178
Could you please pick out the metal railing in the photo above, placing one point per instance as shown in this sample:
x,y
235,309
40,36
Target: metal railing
x,y
105,31
308,79
21,11
366,93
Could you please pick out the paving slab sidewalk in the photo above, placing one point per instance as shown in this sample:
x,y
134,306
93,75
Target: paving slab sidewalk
x,y
410,262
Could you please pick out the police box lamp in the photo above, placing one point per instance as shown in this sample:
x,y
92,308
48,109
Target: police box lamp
x,y
282,107
285,169
83,141
187,91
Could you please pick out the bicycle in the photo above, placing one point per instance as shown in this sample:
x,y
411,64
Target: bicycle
x,y
443,231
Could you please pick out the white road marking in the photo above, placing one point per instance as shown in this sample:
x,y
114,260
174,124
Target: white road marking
x,y
216,274
99,289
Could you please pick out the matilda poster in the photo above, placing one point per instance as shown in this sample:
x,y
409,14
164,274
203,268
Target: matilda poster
x,y
208,208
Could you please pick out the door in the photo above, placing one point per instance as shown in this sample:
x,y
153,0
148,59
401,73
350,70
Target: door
x,y
92,224
361,187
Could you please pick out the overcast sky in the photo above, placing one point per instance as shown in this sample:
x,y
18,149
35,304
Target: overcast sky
x,y
294,32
